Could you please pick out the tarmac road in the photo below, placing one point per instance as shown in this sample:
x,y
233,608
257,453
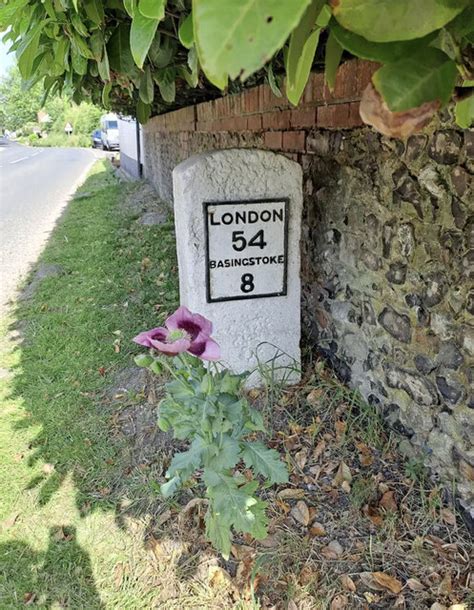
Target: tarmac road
x,y
35,184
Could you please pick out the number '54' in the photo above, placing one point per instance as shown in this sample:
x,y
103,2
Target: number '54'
x,y
239,242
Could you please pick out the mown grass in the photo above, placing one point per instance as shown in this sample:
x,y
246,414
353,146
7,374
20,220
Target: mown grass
x,y
61,481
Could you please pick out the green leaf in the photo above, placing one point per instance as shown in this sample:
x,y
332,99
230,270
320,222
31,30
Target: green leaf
x,y
185,463
225,456
143,360
79,25
78,61
153,9
185,32
256,421
81,47
142,33
103,65
273,81
143,112
147,88
331,60
28,49
118,48
464,111
303,42
237,38
219,533
264,461
237,506
130,6
387,20
412,81
94,10
165,79
169,488
376,51
156,367
105,94
96,42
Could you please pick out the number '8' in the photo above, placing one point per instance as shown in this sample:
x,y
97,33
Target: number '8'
x,y
247,284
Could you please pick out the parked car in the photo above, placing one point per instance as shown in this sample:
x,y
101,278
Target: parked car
x,y
96,139
109,132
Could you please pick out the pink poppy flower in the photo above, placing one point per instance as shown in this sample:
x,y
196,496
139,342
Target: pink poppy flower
x,y
184,331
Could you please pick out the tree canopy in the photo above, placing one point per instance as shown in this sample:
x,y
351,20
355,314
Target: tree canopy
x,y
147,55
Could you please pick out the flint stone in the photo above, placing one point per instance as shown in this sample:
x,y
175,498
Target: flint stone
x,y
449,390
415,146
421,390
424,364
469,143
397,273
460,180
450,356
430,179
435,290
398,325
242,327
445,146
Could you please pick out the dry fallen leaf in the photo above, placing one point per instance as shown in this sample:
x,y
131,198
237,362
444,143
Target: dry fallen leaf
x,y
341,427
291,493
292,605
317,529
314,396
379,581
301,458
373,514
347,583
388,502
448,516
300,513
415,585
446,585
437,606
374,111
218,578
339,602
318,450
29,598
306,576
333,550
365,456
243,551
343,474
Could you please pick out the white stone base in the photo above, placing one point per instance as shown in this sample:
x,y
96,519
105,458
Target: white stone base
x,y
249,331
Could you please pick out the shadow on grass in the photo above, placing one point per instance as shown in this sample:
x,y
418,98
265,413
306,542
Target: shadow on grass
x,y
60,576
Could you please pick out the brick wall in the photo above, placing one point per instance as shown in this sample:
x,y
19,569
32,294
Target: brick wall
x,y
387,250
266,120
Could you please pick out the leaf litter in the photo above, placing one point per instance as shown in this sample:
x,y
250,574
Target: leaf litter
x,y
352,529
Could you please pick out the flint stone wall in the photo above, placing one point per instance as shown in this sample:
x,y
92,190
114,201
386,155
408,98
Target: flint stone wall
x,y
387,261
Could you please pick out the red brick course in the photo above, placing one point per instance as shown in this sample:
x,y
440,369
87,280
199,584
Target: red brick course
x,y
284,127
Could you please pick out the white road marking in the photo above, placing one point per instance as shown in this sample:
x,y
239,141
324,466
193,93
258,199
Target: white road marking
x,y
18,160
36,153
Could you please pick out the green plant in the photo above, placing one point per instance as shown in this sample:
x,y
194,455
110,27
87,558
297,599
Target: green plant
x,y
140,55
208,409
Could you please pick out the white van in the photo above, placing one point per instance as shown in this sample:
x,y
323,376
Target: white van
x,y
109,133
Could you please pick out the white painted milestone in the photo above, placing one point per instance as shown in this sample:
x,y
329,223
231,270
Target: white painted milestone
x,y
238,218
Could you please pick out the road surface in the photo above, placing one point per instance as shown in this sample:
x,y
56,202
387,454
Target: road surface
x,y
35,184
